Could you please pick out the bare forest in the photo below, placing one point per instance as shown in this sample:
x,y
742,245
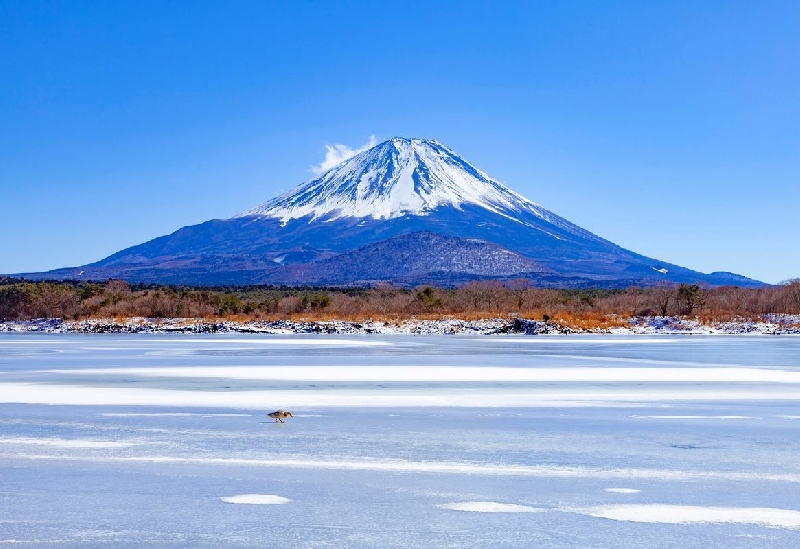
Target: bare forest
x,y
21,300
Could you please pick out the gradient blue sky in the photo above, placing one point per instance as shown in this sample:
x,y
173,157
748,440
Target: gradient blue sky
x,y
670,128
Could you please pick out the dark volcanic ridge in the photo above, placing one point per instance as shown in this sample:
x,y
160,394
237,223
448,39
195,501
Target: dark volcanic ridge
x,y
414,257
407,211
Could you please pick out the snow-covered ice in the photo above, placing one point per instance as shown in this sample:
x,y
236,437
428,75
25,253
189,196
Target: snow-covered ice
x,y
256,499
65,443
152,440
685,514
490,507
454,374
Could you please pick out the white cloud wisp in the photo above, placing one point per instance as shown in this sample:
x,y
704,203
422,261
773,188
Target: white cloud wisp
x,y
338,153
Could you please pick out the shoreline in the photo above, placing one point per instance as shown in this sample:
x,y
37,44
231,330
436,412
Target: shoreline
x,y
773,324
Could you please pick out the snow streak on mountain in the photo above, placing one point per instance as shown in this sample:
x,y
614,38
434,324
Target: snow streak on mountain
x,y
402,177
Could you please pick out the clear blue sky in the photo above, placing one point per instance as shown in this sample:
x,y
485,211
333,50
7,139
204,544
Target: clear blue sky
x,y
670,128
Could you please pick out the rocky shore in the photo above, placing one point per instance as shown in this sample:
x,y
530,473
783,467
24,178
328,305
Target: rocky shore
x,y
768,324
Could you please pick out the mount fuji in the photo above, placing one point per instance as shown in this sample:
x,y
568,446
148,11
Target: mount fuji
x,y
405,211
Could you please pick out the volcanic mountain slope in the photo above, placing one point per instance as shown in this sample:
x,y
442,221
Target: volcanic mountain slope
x,y
416,257
399,187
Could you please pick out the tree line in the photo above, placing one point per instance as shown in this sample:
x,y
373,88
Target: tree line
x,y
21,300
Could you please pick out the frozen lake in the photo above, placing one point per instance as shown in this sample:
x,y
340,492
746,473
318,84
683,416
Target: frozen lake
x,y
399,441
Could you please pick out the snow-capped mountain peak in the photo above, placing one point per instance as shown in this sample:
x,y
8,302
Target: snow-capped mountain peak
x,y
396,178
405,211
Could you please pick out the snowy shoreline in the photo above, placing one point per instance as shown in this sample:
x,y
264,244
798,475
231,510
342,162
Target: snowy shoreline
x,y
773,324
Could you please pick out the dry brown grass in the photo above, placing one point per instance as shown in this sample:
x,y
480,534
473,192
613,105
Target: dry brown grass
x,y
590,320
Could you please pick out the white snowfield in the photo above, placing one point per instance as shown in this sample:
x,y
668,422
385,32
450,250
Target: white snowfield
x,y
401,177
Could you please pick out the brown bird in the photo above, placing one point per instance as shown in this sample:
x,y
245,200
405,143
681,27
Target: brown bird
x,y
278,415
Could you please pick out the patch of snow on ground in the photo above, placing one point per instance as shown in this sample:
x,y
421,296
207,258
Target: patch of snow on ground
x,y
687,514
256,499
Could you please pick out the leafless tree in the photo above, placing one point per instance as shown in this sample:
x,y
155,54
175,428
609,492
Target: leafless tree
x,y
662,295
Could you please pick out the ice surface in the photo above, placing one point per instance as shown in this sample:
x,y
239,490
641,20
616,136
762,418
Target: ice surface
x,y
64,443
508,442
169,414
490,507
697,417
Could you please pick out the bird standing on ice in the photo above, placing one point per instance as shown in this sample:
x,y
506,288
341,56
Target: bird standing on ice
x,y
279,415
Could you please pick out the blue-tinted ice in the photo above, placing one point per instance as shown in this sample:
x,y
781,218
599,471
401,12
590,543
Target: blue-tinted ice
x,y
143,441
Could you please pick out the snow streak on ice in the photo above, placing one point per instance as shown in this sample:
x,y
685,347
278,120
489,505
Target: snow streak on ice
x,y
687,514
490,507
256,499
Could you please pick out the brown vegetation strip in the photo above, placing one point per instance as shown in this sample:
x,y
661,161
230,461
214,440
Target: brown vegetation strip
x,y
586,309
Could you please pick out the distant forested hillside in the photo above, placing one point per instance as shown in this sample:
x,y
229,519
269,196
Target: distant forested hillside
x,y
20,300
